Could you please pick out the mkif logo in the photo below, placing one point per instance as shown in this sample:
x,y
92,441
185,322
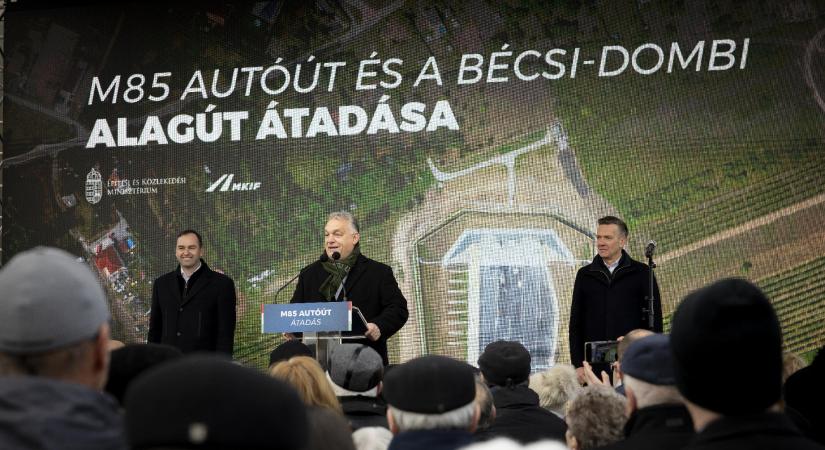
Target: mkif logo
x,y
225,183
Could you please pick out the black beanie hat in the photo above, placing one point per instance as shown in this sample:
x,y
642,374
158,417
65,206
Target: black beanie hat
x,y
430,385
288,349
208,402
505,363
728,327
126,363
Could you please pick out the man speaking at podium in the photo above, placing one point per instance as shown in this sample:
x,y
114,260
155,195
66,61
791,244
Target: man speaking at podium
x,y
343,273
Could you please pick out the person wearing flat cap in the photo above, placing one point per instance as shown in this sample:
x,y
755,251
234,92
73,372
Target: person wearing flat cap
x,y
431,404
716,332
657,417
505,366
356,373
54,331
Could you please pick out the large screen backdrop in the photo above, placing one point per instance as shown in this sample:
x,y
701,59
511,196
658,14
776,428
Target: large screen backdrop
x,y
477,142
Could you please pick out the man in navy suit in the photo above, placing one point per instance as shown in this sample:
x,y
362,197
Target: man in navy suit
x,y
345,272
193,307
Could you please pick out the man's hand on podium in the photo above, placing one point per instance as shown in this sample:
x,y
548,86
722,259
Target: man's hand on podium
x,y
373,332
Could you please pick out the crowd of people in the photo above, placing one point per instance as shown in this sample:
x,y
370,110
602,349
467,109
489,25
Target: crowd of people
x,y
719,380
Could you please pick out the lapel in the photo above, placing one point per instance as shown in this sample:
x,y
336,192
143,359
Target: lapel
x,y
172,285
200,282
356,272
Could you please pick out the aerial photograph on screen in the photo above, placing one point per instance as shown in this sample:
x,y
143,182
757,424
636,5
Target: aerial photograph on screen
x,y
476,141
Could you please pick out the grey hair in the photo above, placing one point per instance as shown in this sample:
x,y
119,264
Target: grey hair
x,y
457,419
555,386
648,394
503,443
345,215
372,438
596,417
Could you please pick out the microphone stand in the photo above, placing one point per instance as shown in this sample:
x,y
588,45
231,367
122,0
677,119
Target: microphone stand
x,y
651,316
323,258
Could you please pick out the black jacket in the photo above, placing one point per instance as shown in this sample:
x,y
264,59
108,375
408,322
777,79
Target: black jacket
x,y
519,417
607,306
766,431
371,286
201,318
362,411
656,427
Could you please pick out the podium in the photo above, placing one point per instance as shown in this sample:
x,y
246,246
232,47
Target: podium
x,y
322,325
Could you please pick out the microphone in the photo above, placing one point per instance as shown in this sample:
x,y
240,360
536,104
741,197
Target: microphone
x,y
323,258
651,247
335,257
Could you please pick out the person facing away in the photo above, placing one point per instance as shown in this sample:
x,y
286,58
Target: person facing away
x,y
505,366
54,357
721,329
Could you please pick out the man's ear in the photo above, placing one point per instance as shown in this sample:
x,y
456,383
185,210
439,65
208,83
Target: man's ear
x,y
632,403
391,422
101,355
476,417
572,443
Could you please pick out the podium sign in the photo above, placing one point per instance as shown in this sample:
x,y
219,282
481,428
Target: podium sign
x,y
306,317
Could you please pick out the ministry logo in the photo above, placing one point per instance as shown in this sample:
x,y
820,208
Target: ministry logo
x,y
94,187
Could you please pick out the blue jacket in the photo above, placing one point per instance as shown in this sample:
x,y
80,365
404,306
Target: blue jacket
x,y
431,440
38,413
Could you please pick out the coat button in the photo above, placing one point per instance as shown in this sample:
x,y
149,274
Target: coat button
x,y
180,310
179,333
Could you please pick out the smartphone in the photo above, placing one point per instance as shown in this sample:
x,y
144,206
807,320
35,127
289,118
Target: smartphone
x,y
601,352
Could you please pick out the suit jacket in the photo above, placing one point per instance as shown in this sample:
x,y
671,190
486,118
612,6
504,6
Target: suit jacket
x,y
606,306
371,286
202,318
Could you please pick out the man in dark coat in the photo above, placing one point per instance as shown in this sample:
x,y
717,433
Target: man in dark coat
x,y
193,307
505,366
717,331
657,418
609,294
343,273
